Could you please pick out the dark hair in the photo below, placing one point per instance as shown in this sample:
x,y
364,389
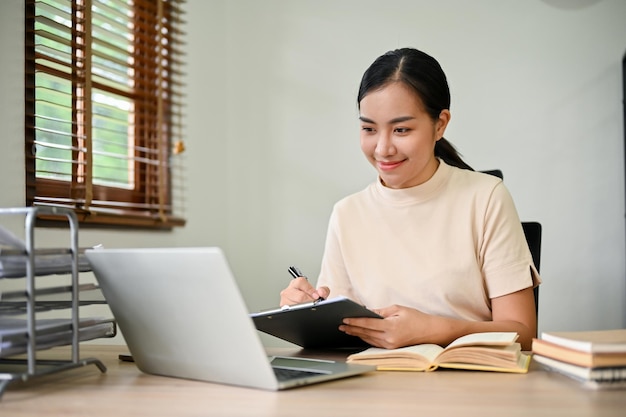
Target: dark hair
x,y
423,74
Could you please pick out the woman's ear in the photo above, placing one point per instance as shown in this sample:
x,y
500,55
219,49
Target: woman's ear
x,y
442,123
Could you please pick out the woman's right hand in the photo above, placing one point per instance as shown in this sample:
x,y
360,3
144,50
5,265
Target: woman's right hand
x,y
300,290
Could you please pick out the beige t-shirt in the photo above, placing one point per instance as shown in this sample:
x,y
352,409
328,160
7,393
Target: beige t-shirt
x,y
445,247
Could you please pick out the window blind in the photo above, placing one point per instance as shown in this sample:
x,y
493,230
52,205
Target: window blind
x,y
104,110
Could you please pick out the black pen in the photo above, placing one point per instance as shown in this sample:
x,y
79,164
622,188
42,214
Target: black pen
x,y
296,273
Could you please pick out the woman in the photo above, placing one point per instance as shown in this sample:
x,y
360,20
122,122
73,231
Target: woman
x,y
432,246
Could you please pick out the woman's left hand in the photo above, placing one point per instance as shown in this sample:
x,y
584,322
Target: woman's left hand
x,y
404,326
401,326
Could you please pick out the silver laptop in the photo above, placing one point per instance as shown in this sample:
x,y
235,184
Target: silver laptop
x,y
182,315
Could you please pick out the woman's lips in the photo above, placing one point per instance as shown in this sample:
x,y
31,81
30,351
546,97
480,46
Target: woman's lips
x,y
388,165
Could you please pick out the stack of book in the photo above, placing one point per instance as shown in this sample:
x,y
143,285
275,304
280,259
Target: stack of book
x,y
595,358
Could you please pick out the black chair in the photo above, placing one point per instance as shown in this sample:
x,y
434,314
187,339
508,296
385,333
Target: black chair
x,y
532,231
495,173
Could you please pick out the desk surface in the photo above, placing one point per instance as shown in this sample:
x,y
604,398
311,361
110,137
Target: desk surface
x,y
125,391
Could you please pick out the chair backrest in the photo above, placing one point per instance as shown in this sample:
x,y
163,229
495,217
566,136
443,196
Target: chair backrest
x,y
495,172
532,231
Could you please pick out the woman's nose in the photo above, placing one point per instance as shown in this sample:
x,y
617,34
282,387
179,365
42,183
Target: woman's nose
x,y
384,144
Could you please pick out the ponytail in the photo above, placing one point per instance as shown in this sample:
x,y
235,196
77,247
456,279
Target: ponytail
x,y
448,153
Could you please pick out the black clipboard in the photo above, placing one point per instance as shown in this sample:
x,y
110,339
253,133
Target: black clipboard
x,y
313,325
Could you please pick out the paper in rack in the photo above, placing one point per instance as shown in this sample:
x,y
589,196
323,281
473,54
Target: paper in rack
x,y
48,261
9,240
50,333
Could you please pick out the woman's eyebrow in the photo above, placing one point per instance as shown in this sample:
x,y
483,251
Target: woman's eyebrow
x,y
392,121
401,119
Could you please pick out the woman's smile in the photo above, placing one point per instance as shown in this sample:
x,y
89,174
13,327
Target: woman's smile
x,y
389,165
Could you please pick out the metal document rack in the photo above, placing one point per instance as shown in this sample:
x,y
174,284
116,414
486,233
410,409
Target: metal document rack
x,y
29,301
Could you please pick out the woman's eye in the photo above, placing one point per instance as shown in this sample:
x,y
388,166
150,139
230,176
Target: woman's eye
x,y
401,130
367,129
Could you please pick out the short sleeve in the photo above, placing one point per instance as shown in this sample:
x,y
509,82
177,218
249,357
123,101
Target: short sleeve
x,y
507,263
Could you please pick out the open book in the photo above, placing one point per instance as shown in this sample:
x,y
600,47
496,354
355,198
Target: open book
x,y
493,351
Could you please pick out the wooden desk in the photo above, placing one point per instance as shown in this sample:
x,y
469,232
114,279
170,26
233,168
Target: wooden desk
x,y
125,391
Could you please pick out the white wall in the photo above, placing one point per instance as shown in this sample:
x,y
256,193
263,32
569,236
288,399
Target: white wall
x,y
273,134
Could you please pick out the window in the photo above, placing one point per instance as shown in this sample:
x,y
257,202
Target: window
x,y
104,110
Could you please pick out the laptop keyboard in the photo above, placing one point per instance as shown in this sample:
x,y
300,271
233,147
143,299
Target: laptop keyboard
x,y
285,374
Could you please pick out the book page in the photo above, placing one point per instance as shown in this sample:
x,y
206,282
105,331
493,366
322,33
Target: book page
x,y
521,367
420,357
501,356
487,339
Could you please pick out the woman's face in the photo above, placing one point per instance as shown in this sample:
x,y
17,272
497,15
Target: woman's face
x,y
398,137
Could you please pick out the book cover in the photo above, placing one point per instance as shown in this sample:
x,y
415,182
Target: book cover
x,y
595,341
577,357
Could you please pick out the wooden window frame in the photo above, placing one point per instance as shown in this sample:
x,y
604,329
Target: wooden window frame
x,y
157,124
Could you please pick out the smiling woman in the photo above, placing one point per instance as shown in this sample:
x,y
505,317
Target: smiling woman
x,y
426,83
401,148
433,247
